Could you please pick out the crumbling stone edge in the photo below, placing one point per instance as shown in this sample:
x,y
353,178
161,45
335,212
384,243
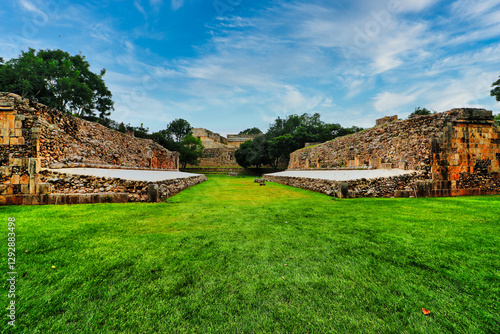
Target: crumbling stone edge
x,y
395,186
62,188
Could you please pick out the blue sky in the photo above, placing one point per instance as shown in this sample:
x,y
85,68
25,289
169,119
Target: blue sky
x,y
227,65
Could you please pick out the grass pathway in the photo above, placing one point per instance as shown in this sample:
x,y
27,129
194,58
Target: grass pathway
x,y
231,256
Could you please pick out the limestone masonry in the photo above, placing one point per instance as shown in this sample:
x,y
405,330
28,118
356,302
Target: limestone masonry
x,y
219,151
33,137
454,153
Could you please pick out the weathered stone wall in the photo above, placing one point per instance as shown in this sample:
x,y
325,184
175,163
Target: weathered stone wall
x,y
395,186
406,141
386,120
33,136
137,191
65,139
210,139
457,152
218,157
236,140
19,149
219,151
466,155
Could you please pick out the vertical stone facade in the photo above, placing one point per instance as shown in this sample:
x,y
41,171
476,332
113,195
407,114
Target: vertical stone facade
x,y
33,137
19,151
219,151
466,156
456,152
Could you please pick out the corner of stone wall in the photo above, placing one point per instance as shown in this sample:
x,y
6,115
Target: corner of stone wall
x,y
19,150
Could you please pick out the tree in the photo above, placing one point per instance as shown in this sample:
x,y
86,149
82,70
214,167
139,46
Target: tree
x,y
178,137
251,131
253,153
419,112
58,80
178,129
191,150
496,90
497,120
286,136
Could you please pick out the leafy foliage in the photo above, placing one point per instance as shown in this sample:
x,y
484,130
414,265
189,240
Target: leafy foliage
x,y
496,90
58,80
420,112
178,137
285,136
251,131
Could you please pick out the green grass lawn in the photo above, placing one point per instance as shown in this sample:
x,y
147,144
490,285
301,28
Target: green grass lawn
x,y
229,256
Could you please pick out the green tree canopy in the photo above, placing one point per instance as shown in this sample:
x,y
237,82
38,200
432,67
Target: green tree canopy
x,y
496,90
59,80
286,136
251,131
178,129
419,112
178,136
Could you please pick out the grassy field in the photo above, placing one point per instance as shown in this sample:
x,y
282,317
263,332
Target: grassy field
x,y
229,256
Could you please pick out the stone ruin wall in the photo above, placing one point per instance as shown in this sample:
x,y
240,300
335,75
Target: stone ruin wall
x,y
218,157
235,141
219,151
19,150
33,137
68,140
455,153
408,142
210,139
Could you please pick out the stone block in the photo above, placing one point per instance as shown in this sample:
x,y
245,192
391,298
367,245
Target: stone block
x,y
20,117
6,171
43,188
16,162
3,200
13,141
403,193
25,189
403,165
14,179
343,190
6,106
386,166
18,124
424,188
375,162
24,179
15,200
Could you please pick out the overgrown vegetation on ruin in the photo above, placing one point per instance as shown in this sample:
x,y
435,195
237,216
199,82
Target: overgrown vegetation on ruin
x,y
231,256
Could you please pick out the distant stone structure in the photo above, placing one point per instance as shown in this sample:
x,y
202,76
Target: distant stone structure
x,y
454,153
386,120
219,151
34,137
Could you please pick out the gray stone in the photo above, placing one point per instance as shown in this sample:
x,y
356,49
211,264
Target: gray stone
x,y
153,193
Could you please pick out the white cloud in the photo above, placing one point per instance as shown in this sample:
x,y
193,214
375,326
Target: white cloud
x,y
176,4
31,7
140,8
413,5
391,102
